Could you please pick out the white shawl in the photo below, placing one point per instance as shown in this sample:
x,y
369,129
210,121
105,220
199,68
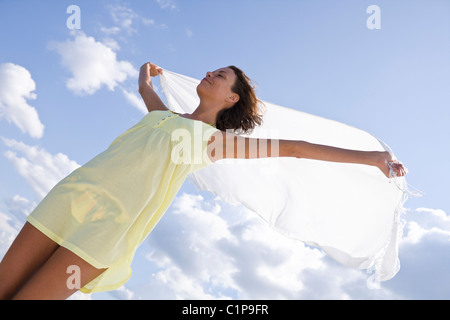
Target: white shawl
x,y
351,211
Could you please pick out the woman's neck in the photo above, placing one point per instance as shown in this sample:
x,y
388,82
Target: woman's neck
x,y
202,113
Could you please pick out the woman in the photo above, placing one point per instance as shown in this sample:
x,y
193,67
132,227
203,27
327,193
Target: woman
x,y
90,223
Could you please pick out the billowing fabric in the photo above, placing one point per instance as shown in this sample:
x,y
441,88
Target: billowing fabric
x,y
105,209
350,211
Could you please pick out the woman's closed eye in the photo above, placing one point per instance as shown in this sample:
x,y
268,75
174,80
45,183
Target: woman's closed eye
x,y
221,74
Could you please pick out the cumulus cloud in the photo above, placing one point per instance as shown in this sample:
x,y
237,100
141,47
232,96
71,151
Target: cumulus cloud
x,y
124,17
425,223
92,64
424,256
18,208
111,43
123,293
126,22
40,169
7,232
189,33
207,249
135,100
211,250
186,269
16,87
167,4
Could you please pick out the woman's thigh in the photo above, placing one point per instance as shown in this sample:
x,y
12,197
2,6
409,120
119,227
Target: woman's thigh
x,y
29,251
57,278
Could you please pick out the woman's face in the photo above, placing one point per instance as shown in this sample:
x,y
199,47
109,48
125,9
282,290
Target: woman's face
x,y
216,86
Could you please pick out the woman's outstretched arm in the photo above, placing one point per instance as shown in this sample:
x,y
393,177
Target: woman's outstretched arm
x,y
151,99
379,159
228,145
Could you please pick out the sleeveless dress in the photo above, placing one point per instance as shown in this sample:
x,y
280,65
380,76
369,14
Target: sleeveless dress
x,y
103,210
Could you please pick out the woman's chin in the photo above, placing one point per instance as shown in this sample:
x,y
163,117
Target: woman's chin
x,y
201,90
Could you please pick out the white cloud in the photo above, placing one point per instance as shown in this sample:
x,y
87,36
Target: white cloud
x,y
111,43
92,64
19,207
16,87
167,4
211,250
189,33
110,31
426,222
127,21
80,296
7,233
124,17
148,22
10,224
135,100
424,256
190,259
40,169
438,214
123,293
173,283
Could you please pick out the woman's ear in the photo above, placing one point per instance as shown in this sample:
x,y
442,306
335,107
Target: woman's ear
x,y
233,98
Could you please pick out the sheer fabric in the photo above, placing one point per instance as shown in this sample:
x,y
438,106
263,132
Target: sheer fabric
x,y
103,210
350,211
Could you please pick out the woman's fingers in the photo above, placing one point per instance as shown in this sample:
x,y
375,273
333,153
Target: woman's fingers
x,y
152,69
397,169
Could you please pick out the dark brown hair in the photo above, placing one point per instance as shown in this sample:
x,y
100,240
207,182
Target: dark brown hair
x,y
244,115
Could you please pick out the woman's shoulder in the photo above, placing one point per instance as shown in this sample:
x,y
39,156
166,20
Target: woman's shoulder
x,y
161,110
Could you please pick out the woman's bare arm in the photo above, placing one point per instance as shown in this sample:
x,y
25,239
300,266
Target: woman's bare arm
x,y
228,145
379,159
151,99
314,151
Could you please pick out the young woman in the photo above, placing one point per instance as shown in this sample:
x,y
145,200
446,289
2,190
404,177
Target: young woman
x,y
91,223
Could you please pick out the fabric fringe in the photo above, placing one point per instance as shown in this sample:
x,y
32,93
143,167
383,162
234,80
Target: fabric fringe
x,y
398,224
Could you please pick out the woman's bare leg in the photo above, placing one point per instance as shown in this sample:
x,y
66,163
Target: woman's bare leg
x,y
29,251
51,281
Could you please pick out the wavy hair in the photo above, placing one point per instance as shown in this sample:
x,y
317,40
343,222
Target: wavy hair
x,y
244,116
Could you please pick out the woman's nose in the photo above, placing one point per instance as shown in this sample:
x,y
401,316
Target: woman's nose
x,y
209,74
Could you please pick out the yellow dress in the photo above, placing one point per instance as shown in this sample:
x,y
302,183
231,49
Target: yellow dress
x,y
105,209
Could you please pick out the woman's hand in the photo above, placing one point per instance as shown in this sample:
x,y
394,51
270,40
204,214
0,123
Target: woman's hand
x,y
384,161
151,99
147,71
152,69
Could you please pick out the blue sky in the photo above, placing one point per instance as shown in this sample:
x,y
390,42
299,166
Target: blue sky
x,y
74,91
